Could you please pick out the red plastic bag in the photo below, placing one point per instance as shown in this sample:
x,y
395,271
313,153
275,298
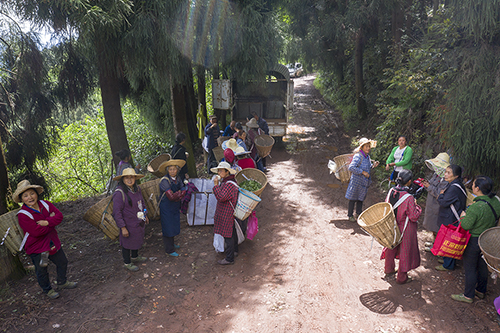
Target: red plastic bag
x,y
451,241
253,226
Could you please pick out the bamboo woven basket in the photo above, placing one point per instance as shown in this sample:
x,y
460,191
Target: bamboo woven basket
x,y
379,221
221,139
155,164
264,143
343,161
252,174
99,215
151,193
489,243
218,153
14,237
470,198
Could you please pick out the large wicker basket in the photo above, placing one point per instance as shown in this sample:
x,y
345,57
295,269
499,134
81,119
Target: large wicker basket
x,y
221,139
14,237
99,215
379,221
489,243
218,153
343,161
264,143
151,193
155,164
252,174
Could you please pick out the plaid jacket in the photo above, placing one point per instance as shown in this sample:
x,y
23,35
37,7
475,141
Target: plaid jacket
x,y
227,196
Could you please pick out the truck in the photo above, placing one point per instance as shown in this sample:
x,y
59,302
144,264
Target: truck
x,y
271,100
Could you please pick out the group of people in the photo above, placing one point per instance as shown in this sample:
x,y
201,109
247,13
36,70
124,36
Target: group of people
x,y
445,205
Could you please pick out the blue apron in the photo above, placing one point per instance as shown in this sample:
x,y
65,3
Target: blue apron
x,y
170,212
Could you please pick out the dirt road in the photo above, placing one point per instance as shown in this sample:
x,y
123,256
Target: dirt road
x,y
308,269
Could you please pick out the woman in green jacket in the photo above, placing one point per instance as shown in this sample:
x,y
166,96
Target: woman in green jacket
x,y
481,215
400,158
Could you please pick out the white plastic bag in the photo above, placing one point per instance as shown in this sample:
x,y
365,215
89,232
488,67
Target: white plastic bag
x,y
239,232
204,143
333,168
218,243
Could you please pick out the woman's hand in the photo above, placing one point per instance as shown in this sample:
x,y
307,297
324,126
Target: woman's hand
x,y
43,223
442,191
366,174
387,167
426,184
147,220
216,181
186,176
375,164
125,232
463,214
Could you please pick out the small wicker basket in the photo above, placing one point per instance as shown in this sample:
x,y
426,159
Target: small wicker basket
x,y
252,174
489,243
343,161
221,139
379,221
218,153
155,164
151,193
10,232
99,215
264,143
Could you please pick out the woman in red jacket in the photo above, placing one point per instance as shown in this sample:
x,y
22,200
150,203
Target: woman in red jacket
x,y
38,219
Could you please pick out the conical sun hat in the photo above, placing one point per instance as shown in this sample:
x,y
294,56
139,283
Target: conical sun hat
x,y
163,167
223,165
128,172
22,187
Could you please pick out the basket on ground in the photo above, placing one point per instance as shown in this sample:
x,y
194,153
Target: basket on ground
x,y
379,221
151,193
11,233
343,161
218,153
221,139
99,215
247,201
252,174
264,143
155,164
489,243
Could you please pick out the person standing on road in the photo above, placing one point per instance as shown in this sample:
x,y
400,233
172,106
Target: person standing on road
x,y
179,153
129,212
262,123
360,167
38,219
481,215
400,158
407,214
212,132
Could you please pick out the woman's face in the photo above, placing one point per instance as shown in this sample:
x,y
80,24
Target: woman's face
x,y
243,136
402,142
29,197
366,148
172,171
449,176
129,180
223,173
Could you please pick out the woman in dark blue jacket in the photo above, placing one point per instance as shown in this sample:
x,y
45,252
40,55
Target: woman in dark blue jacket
x,y
451,204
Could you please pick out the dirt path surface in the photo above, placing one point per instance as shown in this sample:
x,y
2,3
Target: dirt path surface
x,y
308,269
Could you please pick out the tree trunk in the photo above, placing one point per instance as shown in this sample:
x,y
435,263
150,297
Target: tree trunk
x,y
12,268
358,73
397,27
202,94
4,181
191,105
181,123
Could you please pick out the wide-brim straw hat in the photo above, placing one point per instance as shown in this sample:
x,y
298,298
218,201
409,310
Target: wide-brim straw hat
x,y
23,186
231,144
163,167
240,151
252,123
128,172
441,161
223,165
364,141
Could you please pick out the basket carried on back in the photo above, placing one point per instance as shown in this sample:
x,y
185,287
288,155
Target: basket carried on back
x,y
151,193
343,161
247,201
11,233
489,243
221,139
264,143
99,215
155,164
379,221
252,174
218,153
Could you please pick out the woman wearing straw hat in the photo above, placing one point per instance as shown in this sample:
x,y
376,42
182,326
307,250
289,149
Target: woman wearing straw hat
x,y
231,144
434,186
481,215
172,190
230,158
242,159
129,211
253,132
38,219
360,167
226,193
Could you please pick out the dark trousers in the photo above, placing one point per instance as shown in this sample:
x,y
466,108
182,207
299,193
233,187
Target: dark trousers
x,y
42,274
449,263
126,255
476,270
359,207
231,245
211,160
169,244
